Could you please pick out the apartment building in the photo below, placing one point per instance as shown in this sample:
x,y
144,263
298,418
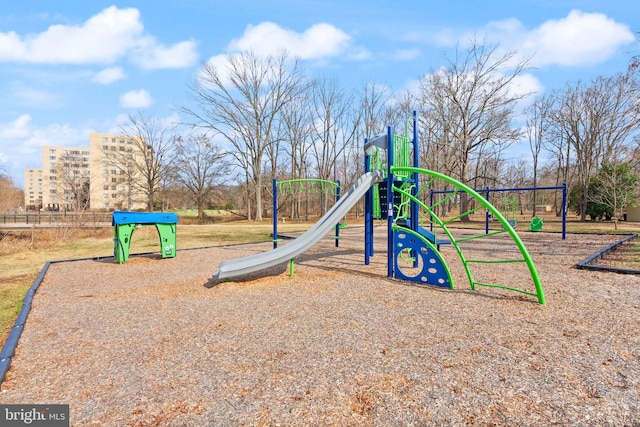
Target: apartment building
x,y
65,177
112,175
78,178
33,189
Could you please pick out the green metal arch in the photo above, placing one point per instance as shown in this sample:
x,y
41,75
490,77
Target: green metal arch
x,y
495,212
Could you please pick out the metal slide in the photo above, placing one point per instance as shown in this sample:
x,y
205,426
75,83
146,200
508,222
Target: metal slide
x,y
253,263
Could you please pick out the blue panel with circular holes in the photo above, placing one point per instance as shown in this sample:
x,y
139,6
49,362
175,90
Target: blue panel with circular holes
x,y
417,262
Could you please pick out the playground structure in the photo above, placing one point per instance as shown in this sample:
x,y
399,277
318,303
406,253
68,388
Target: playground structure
x,y
394,188
125,223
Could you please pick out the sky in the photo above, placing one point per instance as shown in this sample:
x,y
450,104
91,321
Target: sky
x,y
69,67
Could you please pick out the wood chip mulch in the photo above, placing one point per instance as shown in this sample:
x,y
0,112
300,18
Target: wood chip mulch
x,y
158,342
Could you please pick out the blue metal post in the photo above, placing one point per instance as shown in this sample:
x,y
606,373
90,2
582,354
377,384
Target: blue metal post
x,y
390,248
431,204
564,210
337,239
368,214
275,213
486,214
415,177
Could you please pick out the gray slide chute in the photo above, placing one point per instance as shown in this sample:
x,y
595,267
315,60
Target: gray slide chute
x,y
253,263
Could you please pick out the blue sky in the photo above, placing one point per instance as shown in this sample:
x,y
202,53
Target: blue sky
x,y
68,68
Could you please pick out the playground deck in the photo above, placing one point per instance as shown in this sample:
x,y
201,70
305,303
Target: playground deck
x,y
156,342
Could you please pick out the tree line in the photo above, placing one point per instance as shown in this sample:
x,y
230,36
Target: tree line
x,y
255,118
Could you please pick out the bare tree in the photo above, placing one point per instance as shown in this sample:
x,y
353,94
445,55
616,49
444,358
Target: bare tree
x,y
11,197
374,100
149,164
73,183
471,104
296,118
200,164
334,127
242,102
517,176
598,121
537,125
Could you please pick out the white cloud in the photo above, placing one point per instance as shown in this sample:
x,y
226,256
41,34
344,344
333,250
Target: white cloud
x,y
109,75
221,65
525,83
17,129
21,142
580,38
136,99
319,41
179,55
103,39
27,96
406,54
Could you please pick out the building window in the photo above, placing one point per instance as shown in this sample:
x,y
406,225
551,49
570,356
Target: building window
x,y
105,139
113,171
113,148
114,180
52,157
105,187
105,196
113,187
113,140
105,171
105,147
